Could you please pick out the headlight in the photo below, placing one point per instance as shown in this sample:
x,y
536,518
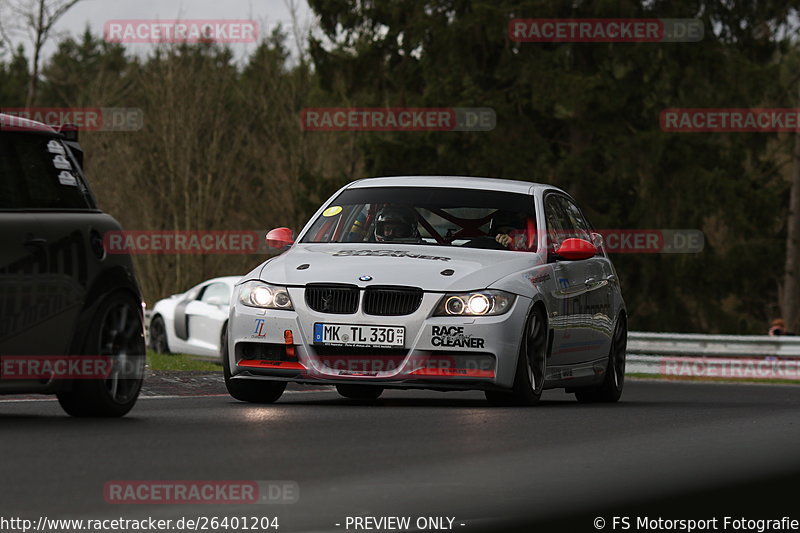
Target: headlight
x,y
265,296
478,303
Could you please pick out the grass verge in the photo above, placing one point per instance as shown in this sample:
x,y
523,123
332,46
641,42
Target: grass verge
x,y
711,379
179,361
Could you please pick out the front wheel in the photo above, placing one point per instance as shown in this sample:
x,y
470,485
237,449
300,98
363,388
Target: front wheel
x,y
611,389
360,392
158,335
252,391
116,334
531,365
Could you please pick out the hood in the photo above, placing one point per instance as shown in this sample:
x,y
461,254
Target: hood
x,y
395,264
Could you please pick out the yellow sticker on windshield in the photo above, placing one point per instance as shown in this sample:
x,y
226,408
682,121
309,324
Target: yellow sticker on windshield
x,y
331,211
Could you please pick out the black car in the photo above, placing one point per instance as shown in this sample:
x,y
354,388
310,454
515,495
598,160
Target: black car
x,y
71,319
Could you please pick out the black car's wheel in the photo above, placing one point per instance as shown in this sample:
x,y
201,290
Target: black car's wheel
x,y
531,364
614,381
115,333
253,391
158,335
360,392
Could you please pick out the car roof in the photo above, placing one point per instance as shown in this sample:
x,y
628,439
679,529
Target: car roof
x,y
454,182
20,124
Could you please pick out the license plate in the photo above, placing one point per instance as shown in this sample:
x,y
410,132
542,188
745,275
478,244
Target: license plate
x,y
349,335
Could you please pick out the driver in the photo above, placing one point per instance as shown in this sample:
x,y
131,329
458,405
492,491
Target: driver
x,y
508,230
395,223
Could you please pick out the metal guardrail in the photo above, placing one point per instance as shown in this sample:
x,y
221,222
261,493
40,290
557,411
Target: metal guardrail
x,y
758,357
697,345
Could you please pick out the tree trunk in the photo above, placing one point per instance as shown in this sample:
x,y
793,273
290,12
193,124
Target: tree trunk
x,y
33,83
790,301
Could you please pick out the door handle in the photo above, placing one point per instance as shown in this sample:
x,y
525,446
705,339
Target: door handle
x,y
590,281
611,278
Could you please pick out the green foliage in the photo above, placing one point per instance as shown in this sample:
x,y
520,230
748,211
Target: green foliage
x,y
14,78
222,146
586,117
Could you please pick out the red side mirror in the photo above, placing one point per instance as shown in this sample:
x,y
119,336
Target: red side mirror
x,y
280,238
576,249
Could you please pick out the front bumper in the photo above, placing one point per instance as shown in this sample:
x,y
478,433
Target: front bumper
x,y
440,352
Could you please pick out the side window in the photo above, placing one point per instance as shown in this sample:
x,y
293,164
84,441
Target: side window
x,y
192,294
581,226
12,193
559,226
216,294
37,172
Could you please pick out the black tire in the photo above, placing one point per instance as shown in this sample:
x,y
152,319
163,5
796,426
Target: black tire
x,y
117,332
158,335
613,383
252,391
223,342
531,364
360,392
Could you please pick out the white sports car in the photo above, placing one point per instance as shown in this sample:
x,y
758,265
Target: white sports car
x,y
446,283
195,321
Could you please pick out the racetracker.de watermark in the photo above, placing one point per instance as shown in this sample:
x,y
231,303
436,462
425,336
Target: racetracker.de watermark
x,y
181,31
170,242
743,368
652,241
593,30
398,119
76,118
201,492
631,241
70,367
462,365
730,120
183,242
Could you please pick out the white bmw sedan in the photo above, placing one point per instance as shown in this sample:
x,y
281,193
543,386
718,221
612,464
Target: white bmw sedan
x,y
193,322
446,283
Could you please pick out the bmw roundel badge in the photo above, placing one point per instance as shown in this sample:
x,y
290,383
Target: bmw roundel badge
x,y
365,278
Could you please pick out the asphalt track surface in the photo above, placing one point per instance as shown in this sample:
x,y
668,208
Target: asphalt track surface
x,y
667,448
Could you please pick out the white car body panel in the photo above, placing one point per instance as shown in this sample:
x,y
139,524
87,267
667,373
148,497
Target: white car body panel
x,y
205,321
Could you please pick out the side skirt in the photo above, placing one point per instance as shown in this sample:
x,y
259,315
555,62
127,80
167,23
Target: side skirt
x,y
578,375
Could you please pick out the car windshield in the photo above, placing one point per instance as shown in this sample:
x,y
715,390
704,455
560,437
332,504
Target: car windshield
x,y
471,218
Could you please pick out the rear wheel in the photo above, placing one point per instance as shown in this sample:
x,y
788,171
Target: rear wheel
x,y
360,392
252,391
614,381
531,365
115,333
158,335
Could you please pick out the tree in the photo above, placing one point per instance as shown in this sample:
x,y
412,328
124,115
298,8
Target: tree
x,y
14,80
789,294
36,19
790,297
585,116
87,71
